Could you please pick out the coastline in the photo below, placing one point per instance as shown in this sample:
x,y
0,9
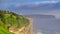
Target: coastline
x,y
24,30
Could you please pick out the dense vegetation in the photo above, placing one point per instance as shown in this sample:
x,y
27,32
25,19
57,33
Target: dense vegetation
x,y
10,19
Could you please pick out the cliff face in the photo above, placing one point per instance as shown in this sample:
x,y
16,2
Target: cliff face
x,y
24,29
12,22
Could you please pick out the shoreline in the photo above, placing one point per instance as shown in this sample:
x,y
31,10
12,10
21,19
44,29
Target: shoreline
x,y
24,30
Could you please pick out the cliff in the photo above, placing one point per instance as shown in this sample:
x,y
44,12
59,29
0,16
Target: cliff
x,y
12,23
23,30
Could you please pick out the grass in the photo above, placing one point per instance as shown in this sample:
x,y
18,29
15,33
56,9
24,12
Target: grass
x,y
10,19
4,31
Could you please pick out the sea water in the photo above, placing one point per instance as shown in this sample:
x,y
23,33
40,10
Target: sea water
x,y
46,24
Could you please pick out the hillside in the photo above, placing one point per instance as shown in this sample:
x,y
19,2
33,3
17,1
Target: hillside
x,y
11,20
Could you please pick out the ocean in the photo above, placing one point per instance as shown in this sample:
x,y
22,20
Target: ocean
x,y
45,24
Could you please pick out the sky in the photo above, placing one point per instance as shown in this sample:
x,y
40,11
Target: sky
x,y
17,3
32,6
26,4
